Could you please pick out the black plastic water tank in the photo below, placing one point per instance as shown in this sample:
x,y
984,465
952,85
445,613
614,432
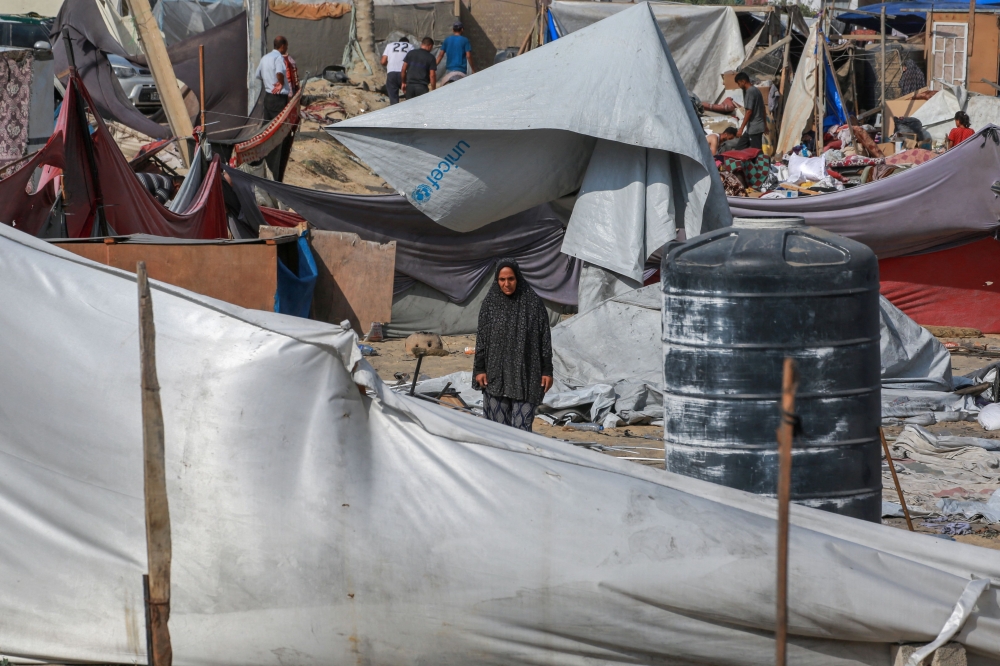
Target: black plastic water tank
x,y
737,301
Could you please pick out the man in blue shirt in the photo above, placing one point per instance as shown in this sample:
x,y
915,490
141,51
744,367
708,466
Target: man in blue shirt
x,y
459,52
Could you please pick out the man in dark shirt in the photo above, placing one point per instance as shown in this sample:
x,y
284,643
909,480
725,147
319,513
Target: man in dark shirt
x,y
419,72
753,115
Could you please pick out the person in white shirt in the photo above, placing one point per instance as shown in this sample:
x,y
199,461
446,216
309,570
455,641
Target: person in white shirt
x,y
273,73
392,60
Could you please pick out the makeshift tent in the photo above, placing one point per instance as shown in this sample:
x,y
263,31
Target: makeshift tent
x,y
449,266
941,204
907,17
309,520
520,134
317,43
127,206
225,80
704,41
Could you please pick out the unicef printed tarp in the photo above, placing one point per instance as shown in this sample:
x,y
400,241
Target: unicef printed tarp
x,y
580,113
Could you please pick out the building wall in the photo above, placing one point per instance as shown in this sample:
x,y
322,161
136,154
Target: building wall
x,y
982,63
493,25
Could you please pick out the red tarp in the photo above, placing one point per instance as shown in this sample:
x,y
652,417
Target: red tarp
x,y
956,287
128,207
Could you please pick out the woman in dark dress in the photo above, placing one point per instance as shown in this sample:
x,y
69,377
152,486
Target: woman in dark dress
x,y
513,365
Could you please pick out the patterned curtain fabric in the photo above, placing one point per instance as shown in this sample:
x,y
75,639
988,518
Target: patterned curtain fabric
x,y
15,99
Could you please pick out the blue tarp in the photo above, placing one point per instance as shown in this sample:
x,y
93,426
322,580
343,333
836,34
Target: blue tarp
x,y
295,291
906,17
836,114
553,32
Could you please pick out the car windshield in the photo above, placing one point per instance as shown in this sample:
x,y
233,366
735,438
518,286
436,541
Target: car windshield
x,y
23,35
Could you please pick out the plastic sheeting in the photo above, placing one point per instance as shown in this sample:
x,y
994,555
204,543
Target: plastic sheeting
x,y
310,521
911,212
912,358
180,19
423,308
128,206
448,261
704,41
522,133
800,105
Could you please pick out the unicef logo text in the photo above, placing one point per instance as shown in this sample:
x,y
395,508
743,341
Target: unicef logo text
x,y
421,193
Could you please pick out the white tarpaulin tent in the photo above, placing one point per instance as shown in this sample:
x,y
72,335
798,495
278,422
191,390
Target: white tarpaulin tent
x,y
704,41
581,112
312,525
801,104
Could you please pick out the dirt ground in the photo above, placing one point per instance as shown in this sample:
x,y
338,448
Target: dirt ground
x,y
320,162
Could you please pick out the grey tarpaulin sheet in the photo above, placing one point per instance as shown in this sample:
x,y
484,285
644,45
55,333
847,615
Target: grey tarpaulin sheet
x,y
911,212
423,308
180,19
312,524
912,358
704,41
451,262
579,112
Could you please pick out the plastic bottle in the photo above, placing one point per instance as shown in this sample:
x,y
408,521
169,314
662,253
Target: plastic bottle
x,y
469,351
367,351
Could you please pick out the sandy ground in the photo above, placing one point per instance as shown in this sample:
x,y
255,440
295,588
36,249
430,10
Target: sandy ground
x,y
318,161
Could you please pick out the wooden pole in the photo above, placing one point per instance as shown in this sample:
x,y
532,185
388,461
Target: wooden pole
x,y
158,546
882,78
895,479
929,46
201,85
786,433
971,40
820,81
163,74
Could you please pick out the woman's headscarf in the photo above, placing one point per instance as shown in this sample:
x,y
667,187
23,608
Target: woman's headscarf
x,y
513,343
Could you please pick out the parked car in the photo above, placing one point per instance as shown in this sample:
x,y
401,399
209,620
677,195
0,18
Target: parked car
x,y
22,31
137,82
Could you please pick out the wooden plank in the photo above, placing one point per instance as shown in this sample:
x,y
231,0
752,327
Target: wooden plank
x,y
355,279
241,274
163,74
158,544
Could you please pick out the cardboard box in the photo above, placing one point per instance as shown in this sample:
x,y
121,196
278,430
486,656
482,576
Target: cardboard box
x,y
887,149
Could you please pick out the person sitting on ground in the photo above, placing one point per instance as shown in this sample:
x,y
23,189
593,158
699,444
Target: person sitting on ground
x,y
962,131
419,72
459,52
713,142
754,122
513,362
728,140
392,60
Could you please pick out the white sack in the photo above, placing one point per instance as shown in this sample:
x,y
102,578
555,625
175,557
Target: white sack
x,y
312,525
802,169
938,114
704,41
581,110
989,416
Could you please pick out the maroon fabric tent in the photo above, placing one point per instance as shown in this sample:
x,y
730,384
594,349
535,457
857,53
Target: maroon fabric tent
x,y
128,206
